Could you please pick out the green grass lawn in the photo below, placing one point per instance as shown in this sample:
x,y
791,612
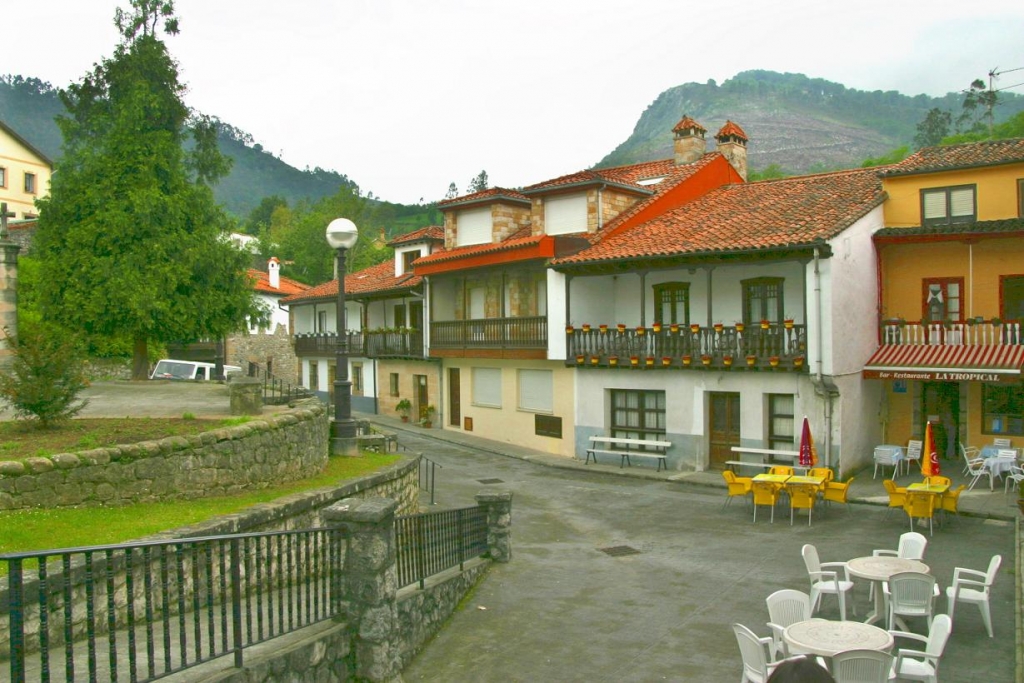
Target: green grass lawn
x,y
37,529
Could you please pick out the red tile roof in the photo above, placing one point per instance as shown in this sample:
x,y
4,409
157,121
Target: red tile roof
x,y
427,234
628,176
772,214
378,279
287,285
731,129
953,157
488,196
686,123
518,240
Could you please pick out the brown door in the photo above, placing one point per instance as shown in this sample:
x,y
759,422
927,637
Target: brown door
x,y
724,427
454,404
422,400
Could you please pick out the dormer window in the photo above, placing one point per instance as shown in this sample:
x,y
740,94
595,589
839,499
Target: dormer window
x,y
474,226
650,181
945,205
565,214
407,259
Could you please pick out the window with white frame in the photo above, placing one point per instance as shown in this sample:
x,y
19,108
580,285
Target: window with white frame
x,y
487,387
781,427
942,205
474,226
536,391
30,183
565,214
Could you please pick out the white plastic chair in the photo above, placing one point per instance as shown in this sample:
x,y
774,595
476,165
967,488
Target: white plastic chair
x,y
886,457
976,470
969,453
861,666
785,608
909,594
914,448
922,665
1015,475
756,664
975,589
910,547
835,581
1001,443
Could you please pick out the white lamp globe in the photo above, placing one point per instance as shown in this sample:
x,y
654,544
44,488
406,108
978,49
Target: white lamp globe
x,y
342,234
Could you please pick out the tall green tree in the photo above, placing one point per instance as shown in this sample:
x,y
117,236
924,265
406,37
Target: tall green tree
x,y
130,242
932,128
479,183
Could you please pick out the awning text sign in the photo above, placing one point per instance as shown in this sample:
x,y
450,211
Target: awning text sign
x,y
929,375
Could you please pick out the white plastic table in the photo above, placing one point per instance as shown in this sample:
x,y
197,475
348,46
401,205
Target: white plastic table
x,y
826,638
878,569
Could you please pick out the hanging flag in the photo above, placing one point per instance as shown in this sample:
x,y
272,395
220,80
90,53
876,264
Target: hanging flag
x,y
929,458
808,454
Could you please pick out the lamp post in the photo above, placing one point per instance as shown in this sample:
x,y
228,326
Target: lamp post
x,y
341,236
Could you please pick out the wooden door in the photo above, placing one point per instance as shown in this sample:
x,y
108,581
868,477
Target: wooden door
x,y
942,408
422,399
454,403
723,427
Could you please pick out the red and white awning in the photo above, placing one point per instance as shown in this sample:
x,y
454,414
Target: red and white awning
x,y
951,363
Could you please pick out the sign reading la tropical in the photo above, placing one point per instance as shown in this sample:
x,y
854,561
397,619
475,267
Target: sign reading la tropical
x,y
943,375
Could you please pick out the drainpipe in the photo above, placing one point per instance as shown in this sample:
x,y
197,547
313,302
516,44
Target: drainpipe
x,y
822,387
600,199
643,304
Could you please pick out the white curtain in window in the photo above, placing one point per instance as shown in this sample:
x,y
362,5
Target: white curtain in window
x,y
536,390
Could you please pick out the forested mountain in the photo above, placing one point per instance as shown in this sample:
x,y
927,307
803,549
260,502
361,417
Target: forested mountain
x,y
801,124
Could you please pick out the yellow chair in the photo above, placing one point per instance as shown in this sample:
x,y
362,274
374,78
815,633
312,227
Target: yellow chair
x,y
920,505
897,495
950,501
936,480
765,493
802,496
737,486
823,472
838,492
781,469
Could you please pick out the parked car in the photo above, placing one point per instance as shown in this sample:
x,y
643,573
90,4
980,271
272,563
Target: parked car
x,y
188,369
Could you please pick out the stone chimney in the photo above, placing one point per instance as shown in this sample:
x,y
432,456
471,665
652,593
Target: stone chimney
x,y
274,272
732,143
689,141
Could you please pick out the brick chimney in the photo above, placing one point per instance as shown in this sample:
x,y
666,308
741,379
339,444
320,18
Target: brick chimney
x,y
732,143
689,141
274,272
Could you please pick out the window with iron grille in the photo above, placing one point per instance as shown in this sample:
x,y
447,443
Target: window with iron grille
x,y
781,434
762,300
638,414
944,205
672,301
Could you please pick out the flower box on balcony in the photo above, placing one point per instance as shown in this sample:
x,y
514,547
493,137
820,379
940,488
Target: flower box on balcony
x,y
594,360
634,360
586,327
718,328
739,327
695,328
788,323
579,359
727,361
687,361
666,361
640,331
656,328
621,328
798,362
568,329
765,324
751,360
673,328
773,361
706,360
649,361
602,328
613,361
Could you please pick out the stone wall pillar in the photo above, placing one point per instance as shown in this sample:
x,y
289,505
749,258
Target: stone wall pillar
x,y
369,585
8,297
499,523
245,395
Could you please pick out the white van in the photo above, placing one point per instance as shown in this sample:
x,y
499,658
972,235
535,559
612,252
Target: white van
x,y
188,369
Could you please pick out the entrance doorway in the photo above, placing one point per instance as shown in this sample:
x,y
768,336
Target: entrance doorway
x,y
723,427
941,407
454,400
419,383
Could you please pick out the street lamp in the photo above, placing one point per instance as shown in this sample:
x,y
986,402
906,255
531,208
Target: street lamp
x,y
341,236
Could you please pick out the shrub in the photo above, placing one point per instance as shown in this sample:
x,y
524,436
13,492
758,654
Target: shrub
x,y
45,375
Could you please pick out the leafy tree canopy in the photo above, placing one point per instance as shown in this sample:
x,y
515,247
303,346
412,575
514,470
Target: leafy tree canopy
x,y
894,157
130,242
479,183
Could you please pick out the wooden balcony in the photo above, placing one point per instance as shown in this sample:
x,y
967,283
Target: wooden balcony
x,y
775,347
371,344
500,334
976,332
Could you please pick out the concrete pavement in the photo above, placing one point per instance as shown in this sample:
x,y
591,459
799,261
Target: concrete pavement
x,y
565,610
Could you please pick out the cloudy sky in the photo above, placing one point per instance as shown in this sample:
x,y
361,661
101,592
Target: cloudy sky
x,y
406,96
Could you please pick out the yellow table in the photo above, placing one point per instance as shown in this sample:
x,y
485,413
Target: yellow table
x,y
921,486
802,479
774,478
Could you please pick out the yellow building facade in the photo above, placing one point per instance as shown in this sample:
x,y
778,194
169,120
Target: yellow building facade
x,y
951,296
24,174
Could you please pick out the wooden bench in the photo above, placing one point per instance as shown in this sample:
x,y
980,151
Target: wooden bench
x,y
627,448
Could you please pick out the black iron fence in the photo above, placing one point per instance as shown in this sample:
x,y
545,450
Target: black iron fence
x,y
276,391
432,542
142,611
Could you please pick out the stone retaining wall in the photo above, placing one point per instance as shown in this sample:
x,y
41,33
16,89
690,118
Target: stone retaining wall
x,y
287,447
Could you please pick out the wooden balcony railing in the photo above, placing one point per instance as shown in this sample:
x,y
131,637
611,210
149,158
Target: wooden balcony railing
x,y
369,344
975,332
490,333
772,347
